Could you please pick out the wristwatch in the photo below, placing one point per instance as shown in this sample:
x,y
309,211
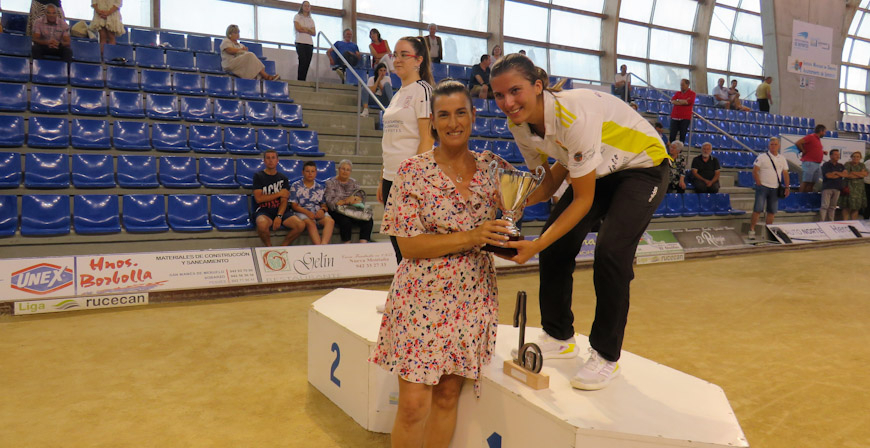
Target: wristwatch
x,y
279,216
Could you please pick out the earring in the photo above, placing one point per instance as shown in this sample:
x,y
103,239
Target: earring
x,y
417,68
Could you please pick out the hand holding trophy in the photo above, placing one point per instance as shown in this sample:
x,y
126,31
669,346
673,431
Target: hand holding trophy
x,y
514,187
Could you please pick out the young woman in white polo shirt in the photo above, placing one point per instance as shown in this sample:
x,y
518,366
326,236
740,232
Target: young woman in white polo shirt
x,y
617,168
406,120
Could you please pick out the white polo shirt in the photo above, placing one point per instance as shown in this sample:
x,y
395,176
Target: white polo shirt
x,y
768,172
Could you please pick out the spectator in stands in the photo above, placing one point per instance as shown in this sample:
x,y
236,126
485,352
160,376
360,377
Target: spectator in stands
x,y
307,199
348,49
407,120
622,83
661,130
380,50
856,199
51,36
344,190
107,21
523,52
812,154
381,85
734,97
236,59
867,187
305,29
770,171
678,168
272,195
833,173
497,53
681,114
436,48
435,333
480,78
721,95
37,10
764,95
705,170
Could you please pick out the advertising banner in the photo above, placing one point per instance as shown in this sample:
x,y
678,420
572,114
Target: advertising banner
x,y
842,230
809,68
712,238
811,42
805,232
659,246
37,278
79,303
298,263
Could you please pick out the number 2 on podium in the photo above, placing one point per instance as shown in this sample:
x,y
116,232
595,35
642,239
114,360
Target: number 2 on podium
x,y
335,364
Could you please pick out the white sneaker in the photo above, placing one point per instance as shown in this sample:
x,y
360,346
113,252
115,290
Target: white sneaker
x,y
364,113
596,373
752,234
380,308
553,348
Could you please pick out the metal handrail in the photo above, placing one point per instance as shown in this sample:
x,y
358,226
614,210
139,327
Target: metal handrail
x,y
853,107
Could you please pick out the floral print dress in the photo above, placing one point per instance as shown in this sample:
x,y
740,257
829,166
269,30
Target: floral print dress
x,y
441,313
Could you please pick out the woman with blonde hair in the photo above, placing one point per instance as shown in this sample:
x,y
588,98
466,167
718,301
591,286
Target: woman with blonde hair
x,y
236,59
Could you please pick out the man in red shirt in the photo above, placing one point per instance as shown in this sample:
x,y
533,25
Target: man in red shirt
x,y
812,154
681,115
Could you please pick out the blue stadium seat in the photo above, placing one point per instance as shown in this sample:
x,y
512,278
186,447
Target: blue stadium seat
x,y
292,168
189,213
217,172
249,89
494,109
14,45
458,72
86,51
699,126
144,213
230,212
8,215
501,149
172,40
143,38
794,180
660,210
14,69
209,63
46,170
122,78
196,109
137,171
240,140
187,83
289,115
537,212
276,91
13,97
706,206
11,131
481,127
745,129
14,23
255,48
131,135
170,137
206,138
118,55
156,81
803,202
219,86
500,128
439,71
260,113
674,205
480,107
274,139
96,213
88,102
691,205
90,134
93,171
229,111
48,132
10,169
480,145
305,143
49,100
150,57
723,205
45,214
177,172
764,130
47,71
744,179
270,67
86,75
180,60
199,43
741,116
325,170
245,169
162,107
126,104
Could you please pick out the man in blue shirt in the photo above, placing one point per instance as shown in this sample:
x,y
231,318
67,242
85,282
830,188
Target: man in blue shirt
x,y
348,49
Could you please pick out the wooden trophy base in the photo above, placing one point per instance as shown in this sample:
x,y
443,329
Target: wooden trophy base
x,y
536,381
503,251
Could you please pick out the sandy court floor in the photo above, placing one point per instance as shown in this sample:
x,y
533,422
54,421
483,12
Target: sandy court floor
x,y
786,334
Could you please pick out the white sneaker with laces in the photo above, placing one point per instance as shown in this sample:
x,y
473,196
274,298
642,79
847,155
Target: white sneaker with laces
x,y
364,113
596,372
553,348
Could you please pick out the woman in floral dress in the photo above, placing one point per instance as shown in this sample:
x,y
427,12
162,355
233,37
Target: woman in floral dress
x,y
441,315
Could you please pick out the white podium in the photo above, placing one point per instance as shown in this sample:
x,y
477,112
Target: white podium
x,y
649,405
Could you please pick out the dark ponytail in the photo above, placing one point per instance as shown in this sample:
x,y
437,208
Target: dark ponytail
x,y
421,48
448,86
526,68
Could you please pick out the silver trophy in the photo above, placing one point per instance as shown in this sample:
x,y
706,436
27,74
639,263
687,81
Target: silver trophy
x,y
514,187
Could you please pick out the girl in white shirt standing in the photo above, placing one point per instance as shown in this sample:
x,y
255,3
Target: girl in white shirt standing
x,y
406,120
305,30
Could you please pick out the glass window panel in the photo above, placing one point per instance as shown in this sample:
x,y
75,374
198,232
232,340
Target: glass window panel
x,y
746,86
575,65
636,68
722,23
443,12
335,4
538,55
842,101
847,48
746,60
865,3
856,104
406,10
679,14
585,5
631,40
671,47
176,16
331,26
853,28
667,77
842,76
575,30
713,80
462,49
751,5
734,3
525,21
864,27
272,25
717,55
21,6
748,28
860,52
856,79
389,33
639,10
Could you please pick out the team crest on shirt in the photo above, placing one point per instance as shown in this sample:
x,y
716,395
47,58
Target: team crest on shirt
x,y
578,157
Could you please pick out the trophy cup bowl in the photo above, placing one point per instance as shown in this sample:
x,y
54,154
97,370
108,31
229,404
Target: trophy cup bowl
x,y
514,187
